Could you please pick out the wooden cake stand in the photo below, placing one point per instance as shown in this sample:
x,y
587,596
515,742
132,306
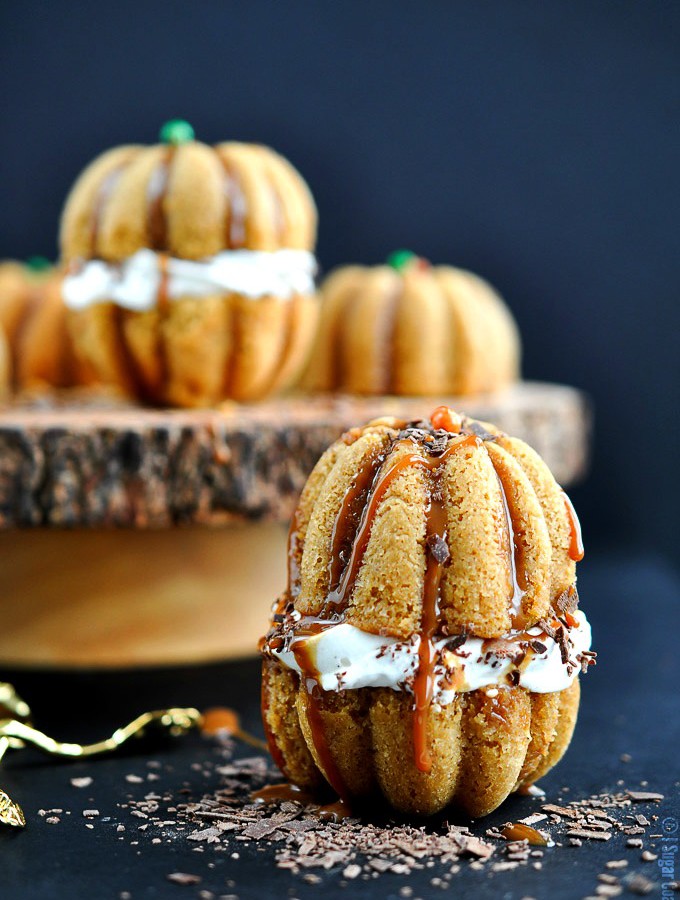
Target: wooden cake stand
x,y
146,537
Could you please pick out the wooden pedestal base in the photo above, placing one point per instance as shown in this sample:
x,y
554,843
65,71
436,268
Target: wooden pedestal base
x,y
110,550
129,598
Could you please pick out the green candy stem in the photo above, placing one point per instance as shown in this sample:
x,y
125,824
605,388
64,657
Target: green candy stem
x,y
38,264
400,259
176,131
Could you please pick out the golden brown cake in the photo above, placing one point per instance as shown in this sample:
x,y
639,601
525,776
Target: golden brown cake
x,y
191,269
33,319
428,645
411,328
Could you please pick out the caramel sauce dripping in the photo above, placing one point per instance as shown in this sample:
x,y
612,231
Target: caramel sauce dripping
x,y
272,746
373,485
436,525
388,338
163,283
294,556
517,556
311,692
157,239
576,550
423,686
347,514
236,209
335,812
156,193
518,831
104,191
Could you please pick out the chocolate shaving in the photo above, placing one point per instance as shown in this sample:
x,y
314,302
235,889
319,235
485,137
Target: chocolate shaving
x,y
438,445
455,641
303,842
589,835
537,646
563,643
545,626
643,796
567,602
439,549
472,427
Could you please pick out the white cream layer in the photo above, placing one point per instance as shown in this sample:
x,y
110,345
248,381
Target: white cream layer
x,y
134,283
346,657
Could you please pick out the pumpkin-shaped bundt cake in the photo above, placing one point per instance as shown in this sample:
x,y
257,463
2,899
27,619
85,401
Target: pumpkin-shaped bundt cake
x,y
191,269
34,321
411,328
429,642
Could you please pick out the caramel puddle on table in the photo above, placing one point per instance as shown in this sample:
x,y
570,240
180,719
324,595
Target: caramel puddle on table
x,y
222,720
517,831
333,812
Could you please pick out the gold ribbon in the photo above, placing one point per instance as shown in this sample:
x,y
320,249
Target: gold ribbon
x,y
16,731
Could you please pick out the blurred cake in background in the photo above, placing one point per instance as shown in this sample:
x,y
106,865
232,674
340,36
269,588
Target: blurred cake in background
x,y
5,366
413,329
33,320
191,270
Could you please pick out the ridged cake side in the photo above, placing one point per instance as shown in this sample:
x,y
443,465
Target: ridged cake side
x,y
440,529
197,351
503,510
483,747
191,201
424,330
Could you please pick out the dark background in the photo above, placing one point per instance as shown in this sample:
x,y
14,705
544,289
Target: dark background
x,y
535,142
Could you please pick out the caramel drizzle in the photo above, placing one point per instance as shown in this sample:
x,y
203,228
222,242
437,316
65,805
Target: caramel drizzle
x,y
236,209
158,240
294,557
389,337
312,694
517,555
163,305
338,597
156,192
576,550
423,685
341,583
104,191
274,750
287,792
284,792
358,489
518,831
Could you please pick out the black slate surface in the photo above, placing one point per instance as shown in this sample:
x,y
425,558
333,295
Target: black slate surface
x,y
630,706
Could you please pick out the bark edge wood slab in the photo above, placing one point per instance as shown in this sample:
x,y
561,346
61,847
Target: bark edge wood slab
x,y
114,465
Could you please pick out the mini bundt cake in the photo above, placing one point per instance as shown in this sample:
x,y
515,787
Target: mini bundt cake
x,y
428,645
411,328
191,269
34,321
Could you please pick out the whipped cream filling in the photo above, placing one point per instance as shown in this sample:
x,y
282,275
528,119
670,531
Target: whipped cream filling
x,y
135,283
344,657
